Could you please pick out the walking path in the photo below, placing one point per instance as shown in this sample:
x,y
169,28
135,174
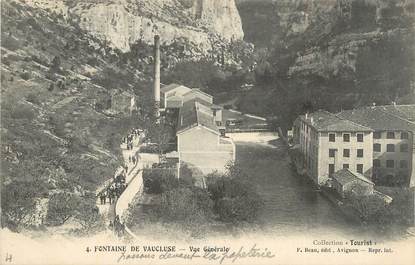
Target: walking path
x,y
133,179
135,185
107,210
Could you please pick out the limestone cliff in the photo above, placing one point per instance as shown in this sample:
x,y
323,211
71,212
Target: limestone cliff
x,y
349,30
123,22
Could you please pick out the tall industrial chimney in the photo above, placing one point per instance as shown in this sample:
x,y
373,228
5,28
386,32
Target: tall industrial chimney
x,y
156,88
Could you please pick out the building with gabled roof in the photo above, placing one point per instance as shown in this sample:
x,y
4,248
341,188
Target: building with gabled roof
x,y
123,102
345,180
329,143
199,141
393,141
171,96
324,121
406,112
197,93
376,141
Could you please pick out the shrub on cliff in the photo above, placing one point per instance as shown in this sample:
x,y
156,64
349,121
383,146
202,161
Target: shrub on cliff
x,y
372,209
235,199
17,201
191,206
61,207
159,180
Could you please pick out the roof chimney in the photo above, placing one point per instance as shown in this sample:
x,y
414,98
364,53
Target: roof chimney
x,y
156,88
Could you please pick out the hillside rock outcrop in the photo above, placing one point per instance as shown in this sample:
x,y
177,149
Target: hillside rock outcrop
x,y
123,22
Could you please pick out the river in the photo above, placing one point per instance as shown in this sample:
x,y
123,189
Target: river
x,y
292,204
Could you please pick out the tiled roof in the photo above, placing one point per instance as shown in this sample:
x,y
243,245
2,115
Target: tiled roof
x,y
194,113
406,112
197,90
345,176
170,87
326,121
378,118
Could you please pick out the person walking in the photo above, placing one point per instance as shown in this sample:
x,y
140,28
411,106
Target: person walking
x,y
111,196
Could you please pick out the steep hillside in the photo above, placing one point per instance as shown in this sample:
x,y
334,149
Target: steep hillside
x,y
337,54
60,138
270,23
124,22
62,61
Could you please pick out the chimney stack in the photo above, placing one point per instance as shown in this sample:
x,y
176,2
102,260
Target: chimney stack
x,y
156,88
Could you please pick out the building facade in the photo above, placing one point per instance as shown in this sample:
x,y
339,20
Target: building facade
x,y
201,143
376,141
123,102
345,180
329,143
393,142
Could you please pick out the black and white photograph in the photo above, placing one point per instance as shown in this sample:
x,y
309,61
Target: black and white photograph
x,y
207,132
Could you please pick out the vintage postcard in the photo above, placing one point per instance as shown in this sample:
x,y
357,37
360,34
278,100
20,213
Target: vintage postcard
x,y
207,132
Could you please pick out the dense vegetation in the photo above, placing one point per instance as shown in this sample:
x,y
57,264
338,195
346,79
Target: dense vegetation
x,y
60,140
228,198
358,53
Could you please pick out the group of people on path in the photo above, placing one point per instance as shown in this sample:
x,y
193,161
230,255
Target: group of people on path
x,y
133,159
117,226
114,190
130,137
118,185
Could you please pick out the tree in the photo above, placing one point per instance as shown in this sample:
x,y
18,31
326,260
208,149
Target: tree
x,y
161,133
87,213
235,199
56,64
159,180
18,200
371,208
61,207
190,206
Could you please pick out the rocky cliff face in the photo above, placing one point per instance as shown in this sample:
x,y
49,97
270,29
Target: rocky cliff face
x,y
123,22
268,22
331,54
345,31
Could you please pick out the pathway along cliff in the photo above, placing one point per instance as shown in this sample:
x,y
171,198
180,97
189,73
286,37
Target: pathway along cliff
x,y
134,162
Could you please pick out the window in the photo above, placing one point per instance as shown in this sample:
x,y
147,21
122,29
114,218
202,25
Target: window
x,y
390,135
359,152
331,169
332,152
377,135
404,135
346,137
359,168
403,164
360,137
404,148
390,148
376,163
346,152
390,163
377,147
345,166
332,137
